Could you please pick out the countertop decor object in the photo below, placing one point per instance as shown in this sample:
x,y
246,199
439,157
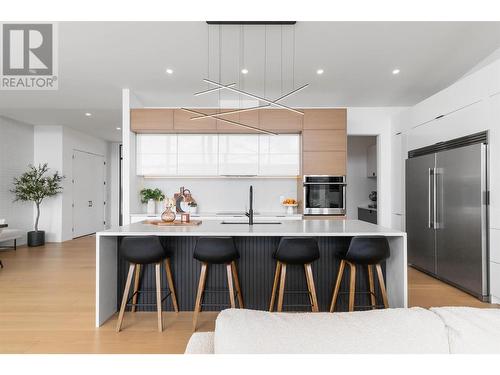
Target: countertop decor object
x,y
290,204
34,186
151,196
168,215
174,223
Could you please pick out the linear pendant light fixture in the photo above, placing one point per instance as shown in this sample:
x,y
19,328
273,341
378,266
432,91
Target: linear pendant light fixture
x,y
251,108
231,122
231,87
213,89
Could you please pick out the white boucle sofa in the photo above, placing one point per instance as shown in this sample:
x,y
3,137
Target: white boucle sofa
x,y
415,330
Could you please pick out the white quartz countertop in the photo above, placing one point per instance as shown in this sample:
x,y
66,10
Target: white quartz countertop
x,y
319,228
226,214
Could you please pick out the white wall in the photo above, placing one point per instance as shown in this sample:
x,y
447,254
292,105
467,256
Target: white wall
x,y
226,194
49,149
359,186
16,153
114,184
378,122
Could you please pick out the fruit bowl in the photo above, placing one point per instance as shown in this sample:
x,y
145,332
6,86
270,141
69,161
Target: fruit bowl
x,y
289,204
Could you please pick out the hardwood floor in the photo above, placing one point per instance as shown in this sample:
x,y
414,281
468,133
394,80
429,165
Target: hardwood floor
x,y
47,306
426,291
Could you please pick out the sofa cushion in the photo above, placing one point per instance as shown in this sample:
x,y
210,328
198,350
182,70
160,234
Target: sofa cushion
x,y
414,330
471,330
200,343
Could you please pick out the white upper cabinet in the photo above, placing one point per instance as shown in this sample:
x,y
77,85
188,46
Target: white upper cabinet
x,y
218,155
279,155
156,155
197,155
238,154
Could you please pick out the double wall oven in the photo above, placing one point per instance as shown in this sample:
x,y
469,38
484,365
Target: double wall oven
x,y
324,195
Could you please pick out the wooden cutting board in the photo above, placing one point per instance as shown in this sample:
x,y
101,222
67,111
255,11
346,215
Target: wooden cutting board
x,y
176,223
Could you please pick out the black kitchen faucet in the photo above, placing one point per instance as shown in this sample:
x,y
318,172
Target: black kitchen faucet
x,y
250,211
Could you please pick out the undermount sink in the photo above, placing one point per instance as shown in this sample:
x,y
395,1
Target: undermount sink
x,y
254,223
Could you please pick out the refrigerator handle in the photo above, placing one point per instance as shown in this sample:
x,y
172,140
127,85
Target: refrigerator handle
x,y
429,200
435,223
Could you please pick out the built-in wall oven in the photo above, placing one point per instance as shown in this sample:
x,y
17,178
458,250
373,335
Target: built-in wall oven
x,y
324,195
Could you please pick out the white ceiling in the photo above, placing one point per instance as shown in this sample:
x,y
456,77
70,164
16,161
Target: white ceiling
x,y
97,60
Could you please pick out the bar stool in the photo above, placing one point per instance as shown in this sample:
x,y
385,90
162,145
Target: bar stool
x,y
216,250
366,251
141,251
294,251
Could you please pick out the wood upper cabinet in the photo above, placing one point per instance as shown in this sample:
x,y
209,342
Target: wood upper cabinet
x,y
324,163
183,122
280,120
149,120
324,140
250,118
327,118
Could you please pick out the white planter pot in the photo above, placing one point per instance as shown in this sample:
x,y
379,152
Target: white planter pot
x,y
193,210
151,210
160,206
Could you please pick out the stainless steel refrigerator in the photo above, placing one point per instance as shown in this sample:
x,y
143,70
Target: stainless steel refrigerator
x,y
446,213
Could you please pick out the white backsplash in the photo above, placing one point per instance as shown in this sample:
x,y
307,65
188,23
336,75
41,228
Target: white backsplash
x,y
228,194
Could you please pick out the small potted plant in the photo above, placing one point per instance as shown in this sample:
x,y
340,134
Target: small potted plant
x,y
151,196
34,186
193,207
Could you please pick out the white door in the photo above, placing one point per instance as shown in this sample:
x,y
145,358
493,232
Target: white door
x,y
88,193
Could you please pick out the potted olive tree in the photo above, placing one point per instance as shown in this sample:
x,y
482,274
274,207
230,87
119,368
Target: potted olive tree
x,y
34,186
151,196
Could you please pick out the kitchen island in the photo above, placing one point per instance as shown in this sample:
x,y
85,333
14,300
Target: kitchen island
x,y
256,266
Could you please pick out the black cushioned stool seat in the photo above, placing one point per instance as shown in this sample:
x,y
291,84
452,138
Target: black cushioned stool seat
x,y
140,251
366,251
217,250
294,251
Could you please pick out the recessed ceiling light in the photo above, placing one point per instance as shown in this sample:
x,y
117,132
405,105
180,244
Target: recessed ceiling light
x,y
170,71
118,128
88,114
320,71
395,71
244,71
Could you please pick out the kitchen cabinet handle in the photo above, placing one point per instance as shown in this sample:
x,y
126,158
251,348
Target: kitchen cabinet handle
x,y
434,203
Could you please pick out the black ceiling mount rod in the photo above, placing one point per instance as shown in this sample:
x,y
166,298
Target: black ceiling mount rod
x,y
251,22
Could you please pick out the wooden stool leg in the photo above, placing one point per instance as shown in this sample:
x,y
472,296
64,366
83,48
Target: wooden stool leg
x,y
337,286
137,279
199,295
312,289
171,286
125,297
382,285
158,296
282,287
237,284
308,287
352,285
371,285
230,285
275,285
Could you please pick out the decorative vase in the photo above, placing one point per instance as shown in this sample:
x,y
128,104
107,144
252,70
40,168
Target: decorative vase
x,y
168,215
151,210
